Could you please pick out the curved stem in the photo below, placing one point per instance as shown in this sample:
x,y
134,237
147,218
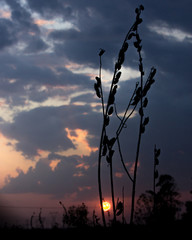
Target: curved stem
x,y
112,192
139,138
99,176
100,149
121,156
135,173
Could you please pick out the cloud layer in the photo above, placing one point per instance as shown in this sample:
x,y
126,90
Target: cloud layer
x,y
49,58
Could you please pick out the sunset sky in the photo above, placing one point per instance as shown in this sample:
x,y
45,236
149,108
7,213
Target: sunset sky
x,y
50,118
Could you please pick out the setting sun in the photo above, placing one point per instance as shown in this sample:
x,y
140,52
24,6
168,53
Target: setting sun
x,y
106,206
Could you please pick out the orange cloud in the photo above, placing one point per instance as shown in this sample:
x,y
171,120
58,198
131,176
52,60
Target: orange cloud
x,y
5,14
11,161
42,22
83,165
119,174
79,138
53,164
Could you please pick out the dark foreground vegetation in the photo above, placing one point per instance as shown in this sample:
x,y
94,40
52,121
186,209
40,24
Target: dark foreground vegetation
x,y
156,217
178,229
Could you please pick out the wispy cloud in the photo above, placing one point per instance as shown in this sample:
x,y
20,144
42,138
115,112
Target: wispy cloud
x,y
170,33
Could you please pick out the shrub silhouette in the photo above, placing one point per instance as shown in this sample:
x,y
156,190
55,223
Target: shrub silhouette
x,y
167,203
76,216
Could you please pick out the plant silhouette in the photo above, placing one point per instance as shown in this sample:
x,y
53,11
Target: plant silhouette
x,y
167,203
76,216
138,98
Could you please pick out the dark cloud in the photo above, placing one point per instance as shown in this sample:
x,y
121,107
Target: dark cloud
x,y
50,8
44,128
7,32
40,128
36,45
97,24
67,178
21,17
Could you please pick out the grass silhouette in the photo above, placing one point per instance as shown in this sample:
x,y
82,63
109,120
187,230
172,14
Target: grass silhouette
x,y
138,98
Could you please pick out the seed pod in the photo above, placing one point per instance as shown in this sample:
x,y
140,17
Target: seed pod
x,y
145,102
141,7
137,10
98,79
146,121
110,112
106,121
142,129
141,112
117,66
125,47
117,77
156,174
136,44
101,52
104,152
111,142
97,90
156,161
111,99
114,90
157,152
105,140
121,57
131,35
139,20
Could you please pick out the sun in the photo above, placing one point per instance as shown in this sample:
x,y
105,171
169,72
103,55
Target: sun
x,y
106,206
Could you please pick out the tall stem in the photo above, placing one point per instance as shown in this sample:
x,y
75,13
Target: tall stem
x,y
139,141
112,192
99,176
135,174
100,149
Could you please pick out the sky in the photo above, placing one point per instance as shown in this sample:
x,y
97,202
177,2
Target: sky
x,y
50,117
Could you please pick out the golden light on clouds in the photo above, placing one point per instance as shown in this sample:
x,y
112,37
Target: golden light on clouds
x,y
79,138
42,22
5,14
53,164
11,161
